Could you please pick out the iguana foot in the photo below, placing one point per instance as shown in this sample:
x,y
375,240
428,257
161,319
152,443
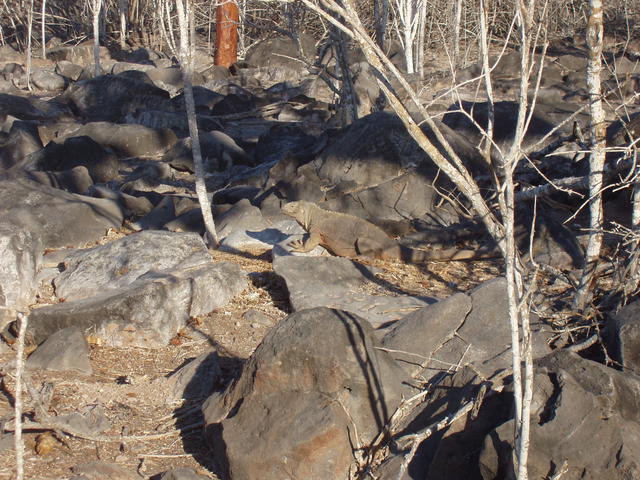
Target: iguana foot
x,y
297,246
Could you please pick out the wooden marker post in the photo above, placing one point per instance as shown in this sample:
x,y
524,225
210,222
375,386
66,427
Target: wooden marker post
x,y
227,16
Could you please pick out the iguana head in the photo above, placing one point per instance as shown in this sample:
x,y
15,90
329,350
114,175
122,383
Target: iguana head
x,y
299,210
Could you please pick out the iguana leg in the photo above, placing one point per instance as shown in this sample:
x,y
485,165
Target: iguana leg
x,y
305,246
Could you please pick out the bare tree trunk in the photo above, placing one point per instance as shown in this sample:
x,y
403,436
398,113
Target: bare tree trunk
x,y
122,10
97,6
18,443
29,30
227,16
381,18
186,62
44,22
597,137
456,31
518,308
409,16
484,51
348,97
422,25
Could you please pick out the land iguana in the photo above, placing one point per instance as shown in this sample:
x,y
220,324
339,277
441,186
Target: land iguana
x,y
349,236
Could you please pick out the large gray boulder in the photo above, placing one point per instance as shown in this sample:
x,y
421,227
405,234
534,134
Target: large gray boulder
x,y
120,263
59,218
147,312
585,421
74,180
316,379
67,349
80,54
373,169
48,80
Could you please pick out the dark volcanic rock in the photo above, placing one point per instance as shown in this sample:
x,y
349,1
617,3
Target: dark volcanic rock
x,y
282,52
20,107
128,140
315,379
22,141
77,151
283,140
71,70
204,100
584,420
106,97
373,169
219,152
74,180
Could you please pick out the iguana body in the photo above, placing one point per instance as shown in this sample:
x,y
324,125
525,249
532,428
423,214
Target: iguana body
x,y
349,236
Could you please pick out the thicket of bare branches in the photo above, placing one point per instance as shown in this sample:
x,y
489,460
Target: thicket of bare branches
x,y
71,20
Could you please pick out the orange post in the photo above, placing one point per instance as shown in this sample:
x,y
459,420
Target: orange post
x,y
227,17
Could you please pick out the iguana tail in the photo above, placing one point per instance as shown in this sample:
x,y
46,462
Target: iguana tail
x,y
413,255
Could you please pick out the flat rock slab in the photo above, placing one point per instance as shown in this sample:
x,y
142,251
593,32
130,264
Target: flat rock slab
x,y
147,312
336,282
59,218
119,263
263,238
67,349
464,329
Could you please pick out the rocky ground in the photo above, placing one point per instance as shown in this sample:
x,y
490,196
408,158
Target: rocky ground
x,y
149,352
129,386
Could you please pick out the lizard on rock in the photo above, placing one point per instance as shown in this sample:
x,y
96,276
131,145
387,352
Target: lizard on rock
x,y
349,236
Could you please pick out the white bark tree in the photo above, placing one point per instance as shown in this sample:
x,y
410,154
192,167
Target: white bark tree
x,y
43,27
597,139
97,6
187,46
122,11
29,32
409,21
